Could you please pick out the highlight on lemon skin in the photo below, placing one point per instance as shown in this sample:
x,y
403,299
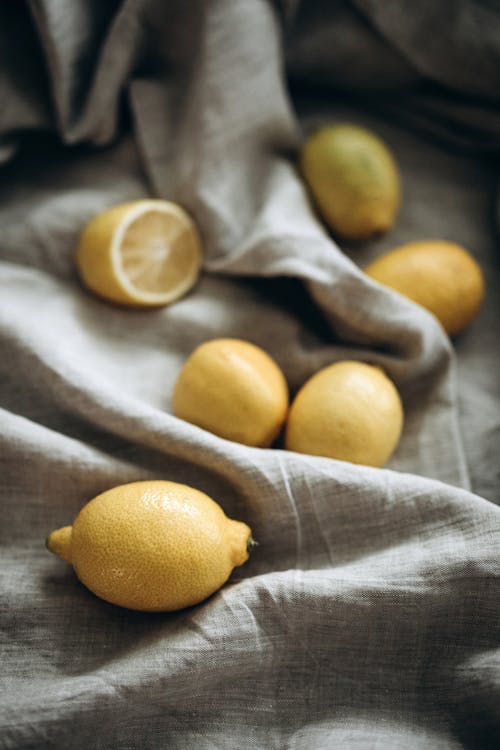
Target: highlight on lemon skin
x,y
353,178
153,545
350,411
145,253
233,389
439,275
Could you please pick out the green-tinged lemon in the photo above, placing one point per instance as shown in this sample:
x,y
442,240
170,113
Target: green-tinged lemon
x,y
354,180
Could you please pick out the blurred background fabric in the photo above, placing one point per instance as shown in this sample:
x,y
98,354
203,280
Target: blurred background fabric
x,y
368,615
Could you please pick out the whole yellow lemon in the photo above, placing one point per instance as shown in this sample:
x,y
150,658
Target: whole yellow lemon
x,y
233,389
152,546
350,411
353,178
439,275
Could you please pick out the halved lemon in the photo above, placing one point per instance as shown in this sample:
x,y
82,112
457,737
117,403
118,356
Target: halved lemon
x,y
145,253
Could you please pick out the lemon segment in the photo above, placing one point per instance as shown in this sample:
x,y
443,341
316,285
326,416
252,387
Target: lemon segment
x,y
152,545
350,411
145,253
439,275
233,389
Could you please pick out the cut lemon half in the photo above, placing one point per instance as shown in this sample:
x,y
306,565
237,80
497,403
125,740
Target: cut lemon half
x,y
142,254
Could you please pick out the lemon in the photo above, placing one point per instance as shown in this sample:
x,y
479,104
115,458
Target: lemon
x,y
353,178
350,411
145,253
234,389
439,275
152,546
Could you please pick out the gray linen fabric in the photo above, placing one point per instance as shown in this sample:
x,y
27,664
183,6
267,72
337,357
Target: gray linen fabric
x,y
368,617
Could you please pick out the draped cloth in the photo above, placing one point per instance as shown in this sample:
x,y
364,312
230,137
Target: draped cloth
x,y
368,616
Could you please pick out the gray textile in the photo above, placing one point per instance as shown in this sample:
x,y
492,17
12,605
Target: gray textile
x,y
369,615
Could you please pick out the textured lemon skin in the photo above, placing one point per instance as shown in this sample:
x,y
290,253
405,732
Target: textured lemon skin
x,y
438,275
233,389
354,180
98,268
350,411
93,256
153,546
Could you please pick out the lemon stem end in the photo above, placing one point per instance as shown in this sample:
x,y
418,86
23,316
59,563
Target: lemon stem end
x,y
251,543
59,543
